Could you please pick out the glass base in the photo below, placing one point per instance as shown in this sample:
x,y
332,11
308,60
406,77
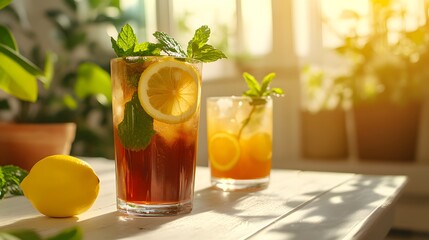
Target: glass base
x,y
153,210
228,184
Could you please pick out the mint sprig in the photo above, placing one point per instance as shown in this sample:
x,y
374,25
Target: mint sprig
x,y
127,45
10,178
258,92
199,49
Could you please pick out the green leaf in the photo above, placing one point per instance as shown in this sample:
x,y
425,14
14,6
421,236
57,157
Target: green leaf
x,y
136,129
20,235
208,54
10,178
70,102
15,80
74,233
7,38
267,81
170,45
4,3
252,83
276,91
93,81
21,60
200,50
201,37
49,69
147,49
124,45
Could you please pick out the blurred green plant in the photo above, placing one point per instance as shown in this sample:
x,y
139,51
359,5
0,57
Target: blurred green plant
x,y
323,91
71,87
382,68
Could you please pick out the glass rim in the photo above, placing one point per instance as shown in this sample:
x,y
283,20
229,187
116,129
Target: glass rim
x,y
190,60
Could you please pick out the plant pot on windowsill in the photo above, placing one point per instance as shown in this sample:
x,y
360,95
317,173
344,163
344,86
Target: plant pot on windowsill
x,y
323,116
25,144
324,135
387,131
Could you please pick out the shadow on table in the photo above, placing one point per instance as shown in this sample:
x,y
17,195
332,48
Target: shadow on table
x,y
326,216
112,225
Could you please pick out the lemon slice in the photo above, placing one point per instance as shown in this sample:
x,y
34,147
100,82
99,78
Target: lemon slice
x,y
169,91
224,151
259,147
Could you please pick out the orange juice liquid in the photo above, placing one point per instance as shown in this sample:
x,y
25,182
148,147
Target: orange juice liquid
x,y
248,165
162,173
227,116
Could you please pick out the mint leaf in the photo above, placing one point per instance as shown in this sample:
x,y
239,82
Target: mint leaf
x,y
136,129
275,91
169,45
147,49
10,178
200,50
127,39
266,82
252,84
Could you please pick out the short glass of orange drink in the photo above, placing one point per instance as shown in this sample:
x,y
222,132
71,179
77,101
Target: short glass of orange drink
x,y
239,131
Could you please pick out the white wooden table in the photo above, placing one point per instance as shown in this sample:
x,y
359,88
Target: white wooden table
x,y
296,205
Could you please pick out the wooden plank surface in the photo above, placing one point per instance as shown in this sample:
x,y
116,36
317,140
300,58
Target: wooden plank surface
x,y
294,203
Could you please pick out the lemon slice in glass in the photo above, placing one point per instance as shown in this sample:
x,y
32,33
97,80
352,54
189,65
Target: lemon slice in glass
x,y
169,90
259,147
224,151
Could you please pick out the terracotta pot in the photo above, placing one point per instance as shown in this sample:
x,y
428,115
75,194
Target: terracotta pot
x,y
386,131
324,135
25,144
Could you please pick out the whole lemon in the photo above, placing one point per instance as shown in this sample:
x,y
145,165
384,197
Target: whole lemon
x,y
61,186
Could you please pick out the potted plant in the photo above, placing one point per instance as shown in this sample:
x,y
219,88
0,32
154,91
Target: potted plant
x,y
31,99
323,115
388,80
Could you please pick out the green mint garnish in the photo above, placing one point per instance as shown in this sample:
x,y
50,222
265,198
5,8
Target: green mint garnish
x,y
10,178
127,44
169,45
136,130
257,92
199,49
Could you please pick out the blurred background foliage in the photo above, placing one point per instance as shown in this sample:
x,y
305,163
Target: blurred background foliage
x,y
80,90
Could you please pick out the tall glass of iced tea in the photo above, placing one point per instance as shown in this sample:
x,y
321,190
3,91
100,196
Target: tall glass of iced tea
x,y
156,105
239,131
